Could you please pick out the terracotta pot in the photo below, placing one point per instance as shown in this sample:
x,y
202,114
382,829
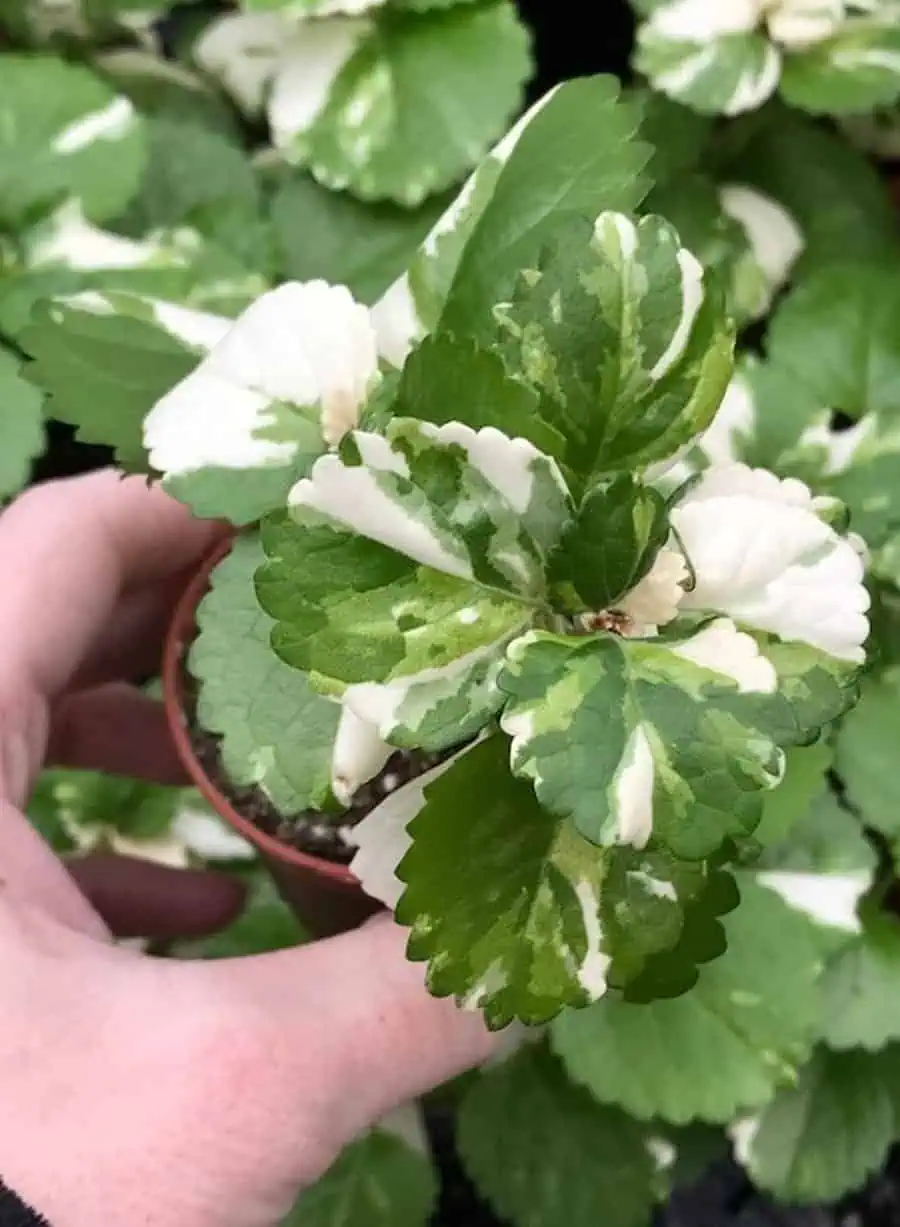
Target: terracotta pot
x,y
325,896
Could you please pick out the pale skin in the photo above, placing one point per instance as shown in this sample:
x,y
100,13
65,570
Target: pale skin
x,y
146,1091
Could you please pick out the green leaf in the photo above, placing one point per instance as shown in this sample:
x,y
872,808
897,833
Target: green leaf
x,y
632,738
827,840
866,746
518,915
378,1181
321,233
855,70
452,379
21,426
722,1048
573,155
159,87
610,546
825,1136
805,780
836,334
199,178
726,75
91,803
861,989
835,193
64,133
678,136
276,732
390,125
629,349
547,1155
103,372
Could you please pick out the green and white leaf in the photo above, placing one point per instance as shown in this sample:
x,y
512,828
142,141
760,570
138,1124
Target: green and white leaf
x,y
545,1154
276,733
626,344
64,133
716,73
762,552
288,380
823,869
853,71
834,192
201,179
104,361
636,739
476,505
724,1047
573,153
516,914
824,1136
21,425
354,610
370,103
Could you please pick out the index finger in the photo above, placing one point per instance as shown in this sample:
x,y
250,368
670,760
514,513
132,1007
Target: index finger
x,y
69,550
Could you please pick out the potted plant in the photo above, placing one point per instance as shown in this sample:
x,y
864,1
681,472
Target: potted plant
x,y
625,783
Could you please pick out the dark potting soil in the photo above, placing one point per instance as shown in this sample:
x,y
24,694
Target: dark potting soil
x,y
317,834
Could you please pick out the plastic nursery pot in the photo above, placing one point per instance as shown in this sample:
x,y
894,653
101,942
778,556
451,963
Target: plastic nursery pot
x,y
325,897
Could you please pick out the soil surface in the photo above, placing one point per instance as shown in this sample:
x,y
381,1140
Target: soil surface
x,y
313,832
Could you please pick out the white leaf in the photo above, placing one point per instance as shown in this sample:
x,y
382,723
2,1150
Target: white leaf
x,y
359,754
831,899
242,50
306,345
316,52
761,555
775,238
382,838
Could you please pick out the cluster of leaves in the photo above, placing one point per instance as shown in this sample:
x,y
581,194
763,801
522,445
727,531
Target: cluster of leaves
x,y
768,1026
129,162
825,56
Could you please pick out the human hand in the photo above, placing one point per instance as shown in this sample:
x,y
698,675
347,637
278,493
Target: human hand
x,y
138,1090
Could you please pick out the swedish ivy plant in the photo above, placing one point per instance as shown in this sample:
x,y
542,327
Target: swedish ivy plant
x,y
566,508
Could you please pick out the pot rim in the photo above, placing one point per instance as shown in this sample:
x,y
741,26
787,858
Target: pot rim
x,y
179,636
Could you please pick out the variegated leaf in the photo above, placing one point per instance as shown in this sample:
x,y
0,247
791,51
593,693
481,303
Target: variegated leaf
x,y
639,740
858,68
358,613
627,345
516,913
762,554
286,381
105,359
714,70
472,504
550,164
347,94
64,133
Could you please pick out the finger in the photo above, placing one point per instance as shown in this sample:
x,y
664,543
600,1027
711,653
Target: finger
x,y
114,728
70,550
141,899
130,648
356,1010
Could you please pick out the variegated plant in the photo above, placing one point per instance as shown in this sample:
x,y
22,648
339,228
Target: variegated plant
x,y
729,56
462,536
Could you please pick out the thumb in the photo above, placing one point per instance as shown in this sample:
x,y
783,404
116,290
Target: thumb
x,y
359,1003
